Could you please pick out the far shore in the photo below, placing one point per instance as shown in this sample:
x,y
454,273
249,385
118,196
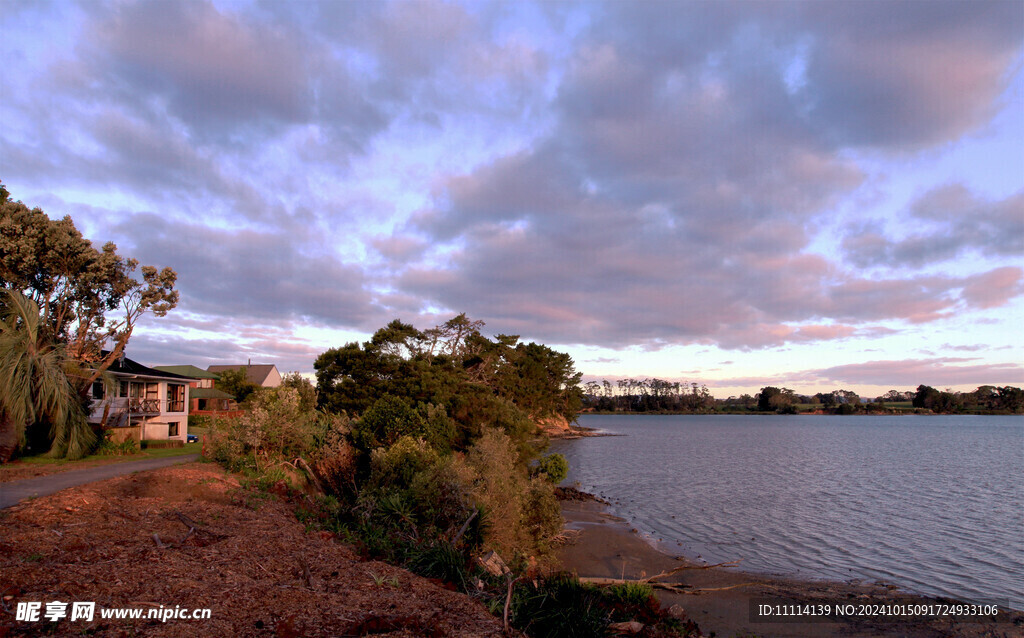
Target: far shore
x,y
719,599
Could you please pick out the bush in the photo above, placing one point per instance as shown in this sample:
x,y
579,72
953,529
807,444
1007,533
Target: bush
x,y
386,421
553,467
523,513
559,607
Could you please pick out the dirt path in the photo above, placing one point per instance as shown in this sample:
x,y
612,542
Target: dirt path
x,y
13,492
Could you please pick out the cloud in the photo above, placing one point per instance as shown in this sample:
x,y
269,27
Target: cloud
x,y
618,175
896,76
938,372
250,274
954,221
675,198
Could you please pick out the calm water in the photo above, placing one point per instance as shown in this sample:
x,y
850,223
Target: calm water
x,y
934,504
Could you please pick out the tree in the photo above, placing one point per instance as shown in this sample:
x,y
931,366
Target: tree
x,y
775,399
302,385
236,383
34,385
88,298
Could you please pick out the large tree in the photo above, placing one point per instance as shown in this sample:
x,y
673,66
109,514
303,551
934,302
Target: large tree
x,y
89,299
34,384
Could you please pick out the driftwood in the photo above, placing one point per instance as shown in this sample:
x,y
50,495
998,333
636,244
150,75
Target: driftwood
x,y
678,588
682,568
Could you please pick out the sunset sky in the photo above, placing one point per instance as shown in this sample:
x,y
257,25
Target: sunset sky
x,y
815,195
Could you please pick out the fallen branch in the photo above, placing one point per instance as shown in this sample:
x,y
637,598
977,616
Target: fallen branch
x,y
681,568
195,528
160,543
679,588
697,592
312,475
508,603
465,526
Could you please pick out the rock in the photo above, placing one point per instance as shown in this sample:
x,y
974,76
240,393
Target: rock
x,y
676,611
631,627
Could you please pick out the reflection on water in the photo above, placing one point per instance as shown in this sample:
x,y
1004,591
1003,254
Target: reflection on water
x,y
934,504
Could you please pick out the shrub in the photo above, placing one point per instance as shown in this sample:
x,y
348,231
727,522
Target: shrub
x,y
387,420
559,607
524,514
395,466
553,467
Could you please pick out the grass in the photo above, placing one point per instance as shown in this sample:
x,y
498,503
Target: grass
x,y
44,465
42,459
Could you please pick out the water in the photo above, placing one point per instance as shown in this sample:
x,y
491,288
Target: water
x,y
934,504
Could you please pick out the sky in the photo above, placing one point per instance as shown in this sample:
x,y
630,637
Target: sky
x,y
814,195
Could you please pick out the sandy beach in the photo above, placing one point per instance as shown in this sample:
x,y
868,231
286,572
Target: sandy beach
x,y
719,599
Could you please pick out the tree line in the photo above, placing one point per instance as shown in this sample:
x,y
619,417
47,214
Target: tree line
x,y
657,395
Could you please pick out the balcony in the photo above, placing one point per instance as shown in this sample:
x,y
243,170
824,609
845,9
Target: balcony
x,y
144,406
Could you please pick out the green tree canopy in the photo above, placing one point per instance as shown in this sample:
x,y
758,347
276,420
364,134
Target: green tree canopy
x,y
236,383
87,297
477,381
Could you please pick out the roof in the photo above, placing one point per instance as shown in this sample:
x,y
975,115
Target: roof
x,y
127,367
187,370
256,373
208,393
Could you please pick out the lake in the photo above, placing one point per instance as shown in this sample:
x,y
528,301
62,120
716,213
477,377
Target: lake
x,y
934,504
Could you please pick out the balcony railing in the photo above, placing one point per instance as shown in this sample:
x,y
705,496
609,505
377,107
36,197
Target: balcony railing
x,y
144,406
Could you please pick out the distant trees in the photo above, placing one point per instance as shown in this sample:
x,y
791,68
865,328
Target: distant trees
x,y
772,399
648,395
656,395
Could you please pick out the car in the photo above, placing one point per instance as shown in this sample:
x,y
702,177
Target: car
x,y
192,438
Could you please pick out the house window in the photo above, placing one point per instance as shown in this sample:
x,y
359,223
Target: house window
x,y
175,397
122,390
172,429
97,390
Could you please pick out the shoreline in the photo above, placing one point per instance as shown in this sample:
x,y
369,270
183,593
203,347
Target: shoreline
x,y
718,598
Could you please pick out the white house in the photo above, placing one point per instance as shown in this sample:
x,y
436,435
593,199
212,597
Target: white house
x,y
142,403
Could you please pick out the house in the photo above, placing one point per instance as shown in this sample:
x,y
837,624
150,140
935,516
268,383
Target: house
x,y
142,403
202,395
263,375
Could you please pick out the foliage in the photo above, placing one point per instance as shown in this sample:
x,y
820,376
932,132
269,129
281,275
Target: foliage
x,y
452,366
772,399
275,430
553,467
523,511
305,388
81,291
108,448
647,395
561,605
34,386
236,383
386,421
